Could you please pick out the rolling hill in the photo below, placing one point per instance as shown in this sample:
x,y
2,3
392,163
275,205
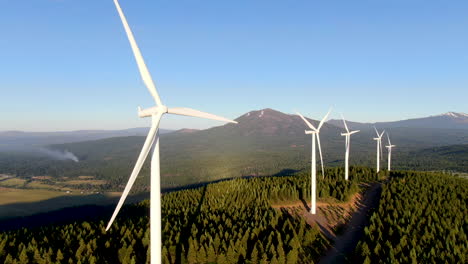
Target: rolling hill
x,y
449,120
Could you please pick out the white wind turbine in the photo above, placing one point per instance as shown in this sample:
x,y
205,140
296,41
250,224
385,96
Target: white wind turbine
x,y
389,148
379,147
347,144
152,139
315,132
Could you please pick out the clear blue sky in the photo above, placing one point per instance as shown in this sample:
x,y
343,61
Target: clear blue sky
x,y
67,64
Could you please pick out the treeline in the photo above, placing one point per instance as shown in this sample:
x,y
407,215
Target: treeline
x,y
422,218
226,222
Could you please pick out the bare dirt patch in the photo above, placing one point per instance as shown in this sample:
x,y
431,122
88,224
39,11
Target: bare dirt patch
x,y
41,177
342,223
86,177
331,216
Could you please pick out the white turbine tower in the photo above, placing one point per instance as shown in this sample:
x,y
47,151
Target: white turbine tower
x,y
315,132
347,144
379,147
152,139
389,148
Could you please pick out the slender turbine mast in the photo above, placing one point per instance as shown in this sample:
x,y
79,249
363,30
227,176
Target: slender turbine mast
x,y
347,145
152,139
389,148
315,132
379,147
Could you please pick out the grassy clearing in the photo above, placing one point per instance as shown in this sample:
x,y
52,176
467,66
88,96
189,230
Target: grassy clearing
x,y
41,177
11,195
14,182
24,202
91,182
45,186
4,176
86,177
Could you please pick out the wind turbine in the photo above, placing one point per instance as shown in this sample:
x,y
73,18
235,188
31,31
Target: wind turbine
x,y
315,132
152,139
389,148
347,144
379,147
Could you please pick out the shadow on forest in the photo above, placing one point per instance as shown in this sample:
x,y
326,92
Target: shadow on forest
x,y
61,210
282,173
286,172
70,208
325,231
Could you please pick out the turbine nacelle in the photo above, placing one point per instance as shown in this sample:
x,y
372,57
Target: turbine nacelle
x,y
152,111
350,133
162,109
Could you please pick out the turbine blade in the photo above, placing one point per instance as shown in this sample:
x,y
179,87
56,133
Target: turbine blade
x,y
324,118
376,131
320,151
145,75
354,132
196,113
388,137
307,122
141,159
344,121
383,132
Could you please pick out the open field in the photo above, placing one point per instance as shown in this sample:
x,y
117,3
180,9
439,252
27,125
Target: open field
x,y
13,183
48,183
92,182
12,195
24,202
23,197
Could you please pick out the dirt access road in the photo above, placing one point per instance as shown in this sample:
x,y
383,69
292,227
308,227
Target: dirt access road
x,y
350,218
347,241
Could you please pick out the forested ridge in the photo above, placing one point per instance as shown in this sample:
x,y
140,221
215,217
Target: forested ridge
x,y
422,218
226,222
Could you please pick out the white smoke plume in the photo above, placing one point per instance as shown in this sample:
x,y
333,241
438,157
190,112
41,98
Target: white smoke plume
x,y
60,155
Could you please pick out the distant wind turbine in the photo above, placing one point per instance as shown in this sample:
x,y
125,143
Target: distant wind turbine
x,y
315,132
152,139
389,148
379,147
348,142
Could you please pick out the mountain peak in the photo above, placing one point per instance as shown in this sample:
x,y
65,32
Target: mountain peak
x,y
265,113
269,122
455,115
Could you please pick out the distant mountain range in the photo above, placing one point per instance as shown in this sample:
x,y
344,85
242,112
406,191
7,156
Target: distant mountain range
x,y
264,142
450,120
25,141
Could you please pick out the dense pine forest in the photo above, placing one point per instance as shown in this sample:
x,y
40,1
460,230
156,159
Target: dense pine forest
x,y
225,222
422,218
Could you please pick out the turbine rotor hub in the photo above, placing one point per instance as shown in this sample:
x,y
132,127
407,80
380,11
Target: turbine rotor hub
x,y
152,111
